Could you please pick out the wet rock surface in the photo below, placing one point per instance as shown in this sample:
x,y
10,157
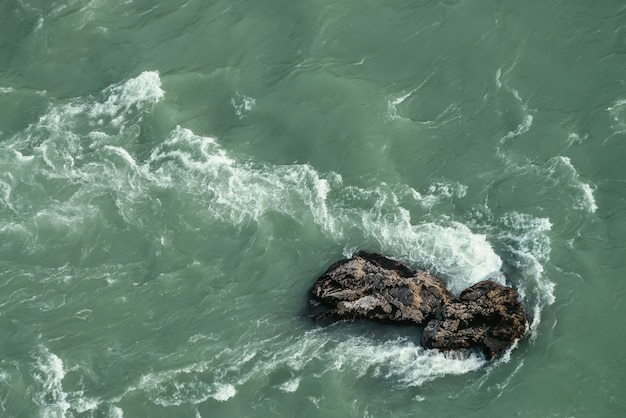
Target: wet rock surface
x,y
375,287
486,315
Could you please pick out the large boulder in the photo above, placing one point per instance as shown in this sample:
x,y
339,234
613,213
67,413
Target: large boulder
x,y
487,315
375,287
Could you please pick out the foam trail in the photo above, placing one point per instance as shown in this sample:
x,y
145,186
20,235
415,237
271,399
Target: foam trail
x,y
244,191
525,125
392,105
392,109
49,394
574,138
172,387
618,114
588,201
521,129
585,200
402,360
439,191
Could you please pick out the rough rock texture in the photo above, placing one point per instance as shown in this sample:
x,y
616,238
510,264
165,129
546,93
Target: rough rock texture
x,y
486,315
376,287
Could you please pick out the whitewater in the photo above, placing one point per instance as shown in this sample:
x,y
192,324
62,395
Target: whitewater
x,y
176,177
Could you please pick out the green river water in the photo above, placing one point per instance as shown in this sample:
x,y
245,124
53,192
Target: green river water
x,y
175,175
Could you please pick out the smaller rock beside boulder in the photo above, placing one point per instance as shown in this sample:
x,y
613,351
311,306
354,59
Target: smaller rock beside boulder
x,y
486,315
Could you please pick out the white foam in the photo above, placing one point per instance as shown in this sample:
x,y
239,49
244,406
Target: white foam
x,y
525,125
588,201
585,199
183,386
392,104
527,239
195,152
116,412
125,155
145,88
65,219
66,146
243,104
245,191
83,404
39,23
51,397
439,191
59,124
453,251
618,114
5,195
49,394
59,119
574,138
521,129
23,158
291,385
58,137
392,109
618,103
402,360
223,392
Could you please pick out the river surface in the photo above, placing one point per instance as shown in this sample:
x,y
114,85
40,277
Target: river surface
x,y
174,177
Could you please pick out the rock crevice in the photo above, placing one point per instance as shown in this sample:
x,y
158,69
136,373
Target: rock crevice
x,y
487,315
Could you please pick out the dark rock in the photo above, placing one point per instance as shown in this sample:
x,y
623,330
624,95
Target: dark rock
x,y
486,315
375,287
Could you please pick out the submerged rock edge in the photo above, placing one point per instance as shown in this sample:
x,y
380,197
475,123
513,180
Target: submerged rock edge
x,y
486,315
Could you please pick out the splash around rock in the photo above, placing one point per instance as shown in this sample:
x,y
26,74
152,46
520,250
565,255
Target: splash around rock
x,y
487,315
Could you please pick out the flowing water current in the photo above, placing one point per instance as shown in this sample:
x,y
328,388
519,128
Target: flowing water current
x,y
175,176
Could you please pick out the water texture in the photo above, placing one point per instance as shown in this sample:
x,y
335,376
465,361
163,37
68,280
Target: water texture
x,y
175,176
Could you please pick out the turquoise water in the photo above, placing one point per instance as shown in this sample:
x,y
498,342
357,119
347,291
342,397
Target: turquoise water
x,y
176,176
